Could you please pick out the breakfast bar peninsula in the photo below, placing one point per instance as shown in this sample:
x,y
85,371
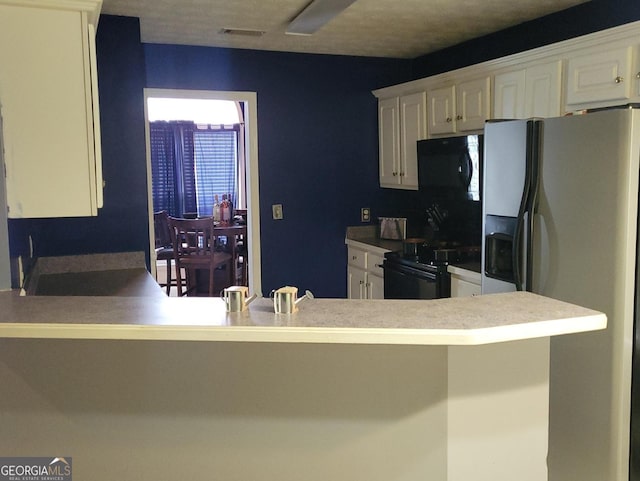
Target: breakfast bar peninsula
x,y
165,388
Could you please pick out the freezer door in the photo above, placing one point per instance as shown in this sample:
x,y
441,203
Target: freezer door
x,y
585,251
505,151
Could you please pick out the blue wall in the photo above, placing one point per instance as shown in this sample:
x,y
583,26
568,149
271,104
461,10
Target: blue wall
x,y
317,147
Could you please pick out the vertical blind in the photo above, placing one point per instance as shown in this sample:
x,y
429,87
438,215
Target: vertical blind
x,y
216,160
190,165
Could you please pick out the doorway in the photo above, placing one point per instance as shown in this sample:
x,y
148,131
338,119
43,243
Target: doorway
x,y
248,103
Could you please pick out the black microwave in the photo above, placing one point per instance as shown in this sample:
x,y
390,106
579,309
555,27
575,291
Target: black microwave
x,y
452,163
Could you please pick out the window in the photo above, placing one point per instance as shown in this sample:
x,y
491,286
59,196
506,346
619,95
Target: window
x,y
215,166
191,162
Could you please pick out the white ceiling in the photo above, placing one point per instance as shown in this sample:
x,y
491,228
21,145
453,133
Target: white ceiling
x,y
373,28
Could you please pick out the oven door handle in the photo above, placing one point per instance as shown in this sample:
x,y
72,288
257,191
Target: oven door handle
x,y
409,271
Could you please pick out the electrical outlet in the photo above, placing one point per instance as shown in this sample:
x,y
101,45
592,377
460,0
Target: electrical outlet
x,y
365,214
276,210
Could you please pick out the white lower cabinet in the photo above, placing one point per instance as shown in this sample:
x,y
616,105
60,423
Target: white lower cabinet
x,y
464,283
357,279
376,286
365,276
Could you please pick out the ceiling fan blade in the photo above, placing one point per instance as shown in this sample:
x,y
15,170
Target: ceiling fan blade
x,y
315,15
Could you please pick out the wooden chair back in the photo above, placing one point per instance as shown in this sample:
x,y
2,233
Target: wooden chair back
x,y
164,247
161,229
194,247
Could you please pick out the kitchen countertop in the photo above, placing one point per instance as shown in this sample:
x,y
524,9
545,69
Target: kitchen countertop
x,y
366,237
460,321
134,282
109,274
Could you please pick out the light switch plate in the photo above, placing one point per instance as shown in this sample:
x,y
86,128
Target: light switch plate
x,y
276,210
365,214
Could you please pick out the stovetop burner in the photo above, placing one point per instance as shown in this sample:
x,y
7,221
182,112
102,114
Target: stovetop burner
x,y
441,255
449,255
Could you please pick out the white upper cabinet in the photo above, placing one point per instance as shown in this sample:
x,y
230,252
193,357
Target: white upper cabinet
x,y
442,110
543,90
48,103
459,108
531,92
413,127
473,106
402,122
599,77
508,95
601,69
389,141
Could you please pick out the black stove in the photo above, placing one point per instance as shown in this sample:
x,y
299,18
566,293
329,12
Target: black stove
x,y
424,276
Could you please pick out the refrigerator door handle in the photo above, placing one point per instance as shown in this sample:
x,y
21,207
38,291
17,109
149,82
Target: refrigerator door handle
x,y
516,252
534,151
522,239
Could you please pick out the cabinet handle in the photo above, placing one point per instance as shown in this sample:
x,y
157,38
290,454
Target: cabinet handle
x,y
401,174
395,174
354,257
459,117
638,75
379,266
619,80
449,120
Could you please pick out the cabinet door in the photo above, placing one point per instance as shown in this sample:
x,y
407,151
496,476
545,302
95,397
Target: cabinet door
x,y
441,110
542,90
472,104
463,288
636,72
375,286
356,283
357,258
389,141
45,97
413,127
599,77
509,95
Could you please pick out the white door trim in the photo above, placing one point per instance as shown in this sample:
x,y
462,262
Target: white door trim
x,y
253,194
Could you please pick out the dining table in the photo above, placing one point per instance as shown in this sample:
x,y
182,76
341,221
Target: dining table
x,y
236,236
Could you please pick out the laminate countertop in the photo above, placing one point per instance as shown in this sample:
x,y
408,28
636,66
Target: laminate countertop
x,y
456,321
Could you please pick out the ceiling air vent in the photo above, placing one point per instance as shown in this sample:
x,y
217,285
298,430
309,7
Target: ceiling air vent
x,y
242,31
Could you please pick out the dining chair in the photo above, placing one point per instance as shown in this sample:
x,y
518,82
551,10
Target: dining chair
x,y
195,248
164,246
236,238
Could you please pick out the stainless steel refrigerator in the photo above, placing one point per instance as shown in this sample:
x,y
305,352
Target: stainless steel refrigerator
x,y
560,218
